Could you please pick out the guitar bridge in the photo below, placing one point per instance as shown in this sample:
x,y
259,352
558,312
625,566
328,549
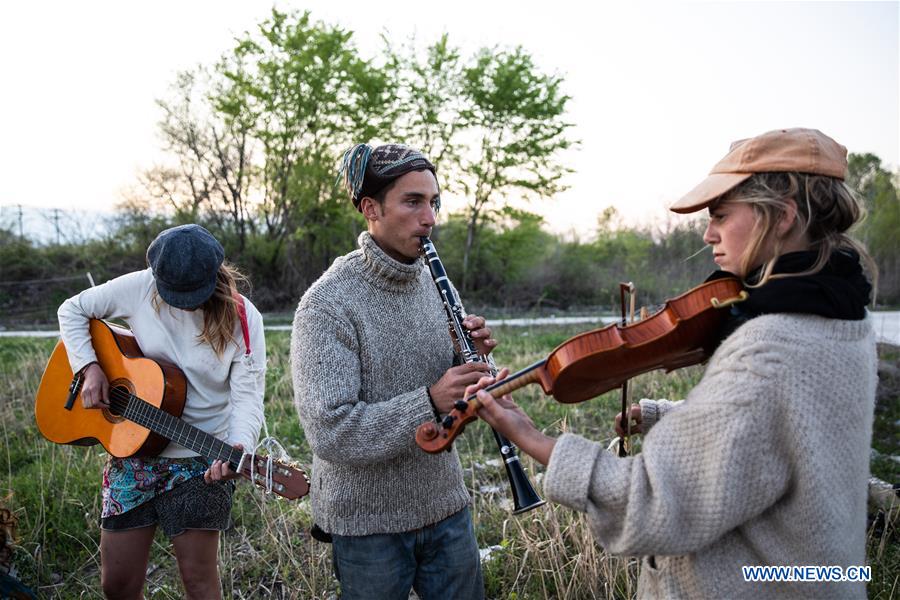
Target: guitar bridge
x,y
74,388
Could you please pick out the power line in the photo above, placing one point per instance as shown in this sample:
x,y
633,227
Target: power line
x,y
56,223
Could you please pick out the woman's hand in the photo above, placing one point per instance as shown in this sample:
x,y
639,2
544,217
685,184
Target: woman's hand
x,y
220,471
507,418
635,414
95,389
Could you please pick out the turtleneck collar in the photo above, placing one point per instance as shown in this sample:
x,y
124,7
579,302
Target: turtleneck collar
x,y
384,271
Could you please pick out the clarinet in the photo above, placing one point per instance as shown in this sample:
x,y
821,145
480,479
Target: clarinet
x,y
524,496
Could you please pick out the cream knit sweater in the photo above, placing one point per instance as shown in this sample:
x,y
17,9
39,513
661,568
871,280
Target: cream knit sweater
x,y
368,337
764,463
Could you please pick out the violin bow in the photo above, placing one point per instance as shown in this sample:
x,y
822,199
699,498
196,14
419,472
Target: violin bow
x,y
626,420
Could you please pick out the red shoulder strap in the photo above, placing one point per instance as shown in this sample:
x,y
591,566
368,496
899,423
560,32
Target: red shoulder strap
x,y
242,314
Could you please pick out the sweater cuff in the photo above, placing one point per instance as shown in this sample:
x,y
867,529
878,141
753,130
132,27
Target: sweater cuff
x,y
434,409
649,414
424,409
249,447
568,475
84,367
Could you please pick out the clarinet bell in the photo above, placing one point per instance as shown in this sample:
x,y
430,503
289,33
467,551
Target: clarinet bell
x,y
525,499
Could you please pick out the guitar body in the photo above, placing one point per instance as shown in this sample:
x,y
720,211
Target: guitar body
x,y
156,382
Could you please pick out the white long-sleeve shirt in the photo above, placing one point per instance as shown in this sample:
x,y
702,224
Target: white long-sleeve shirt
x,y
224,394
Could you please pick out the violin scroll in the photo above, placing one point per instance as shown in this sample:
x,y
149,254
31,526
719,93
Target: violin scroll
x,y
436,437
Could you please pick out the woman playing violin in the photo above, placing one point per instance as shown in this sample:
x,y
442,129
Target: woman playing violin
x,y
767,459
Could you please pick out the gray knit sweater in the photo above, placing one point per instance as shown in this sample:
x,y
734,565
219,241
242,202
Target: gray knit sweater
x,y
764,463
368,337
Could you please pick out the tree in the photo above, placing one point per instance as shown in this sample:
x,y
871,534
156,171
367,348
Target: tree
x,y
427,99
256,139
308,96
878,189
513,115
209,137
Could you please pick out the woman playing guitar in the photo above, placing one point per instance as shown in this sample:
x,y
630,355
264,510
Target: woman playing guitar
x,y
766,461
183,309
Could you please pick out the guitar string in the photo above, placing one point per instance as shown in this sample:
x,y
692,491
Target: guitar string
x,y
120,399
170,426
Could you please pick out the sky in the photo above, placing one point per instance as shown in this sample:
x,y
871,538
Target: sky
x,y
659,89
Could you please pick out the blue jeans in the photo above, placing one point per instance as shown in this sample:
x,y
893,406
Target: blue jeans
x,y
438,561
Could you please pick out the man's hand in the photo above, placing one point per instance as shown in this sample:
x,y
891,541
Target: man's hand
x,y
220,471
506,417
481,334
95,389
452,384
635,413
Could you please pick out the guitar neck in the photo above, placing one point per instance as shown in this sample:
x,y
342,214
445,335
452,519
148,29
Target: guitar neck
x,y
174,429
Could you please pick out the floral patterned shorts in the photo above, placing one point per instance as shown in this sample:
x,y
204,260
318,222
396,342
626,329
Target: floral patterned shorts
x,y
169,492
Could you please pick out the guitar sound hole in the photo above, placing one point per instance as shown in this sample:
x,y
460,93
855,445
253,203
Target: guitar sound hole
x,y
118,392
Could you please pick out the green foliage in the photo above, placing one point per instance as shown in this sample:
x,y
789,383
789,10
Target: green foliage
x,y
878,189
518,265
35,280
493,125
518,112
428,101
515,113
308,96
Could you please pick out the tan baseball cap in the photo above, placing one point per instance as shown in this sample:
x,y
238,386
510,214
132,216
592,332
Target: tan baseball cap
x,y
796,150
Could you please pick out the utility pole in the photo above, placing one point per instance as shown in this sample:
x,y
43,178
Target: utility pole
x,y
56,223
21,231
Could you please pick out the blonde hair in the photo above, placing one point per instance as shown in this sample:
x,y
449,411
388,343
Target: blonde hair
x,y
220,311
826,210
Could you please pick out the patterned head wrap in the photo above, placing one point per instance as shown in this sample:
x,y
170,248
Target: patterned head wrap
x,y
365,171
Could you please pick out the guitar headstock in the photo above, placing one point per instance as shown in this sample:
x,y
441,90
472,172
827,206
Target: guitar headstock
x,y
288,480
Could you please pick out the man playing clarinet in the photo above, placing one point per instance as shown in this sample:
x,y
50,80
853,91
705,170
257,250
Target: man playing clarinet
x,y
372,359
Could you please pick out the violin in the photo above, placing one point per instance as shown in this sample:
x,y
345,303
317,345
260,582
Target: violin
x,y
594,362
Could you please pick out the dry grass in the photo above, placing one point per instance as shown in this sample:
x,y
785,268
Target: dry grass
x,y
547,553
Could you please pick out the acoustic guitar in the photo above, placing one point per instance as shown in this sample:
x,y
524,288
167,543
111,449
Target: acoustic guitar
x,y
146,398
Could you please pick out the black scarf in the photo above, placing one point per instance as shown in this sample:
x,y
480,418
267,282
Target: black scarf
x,y
839,291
